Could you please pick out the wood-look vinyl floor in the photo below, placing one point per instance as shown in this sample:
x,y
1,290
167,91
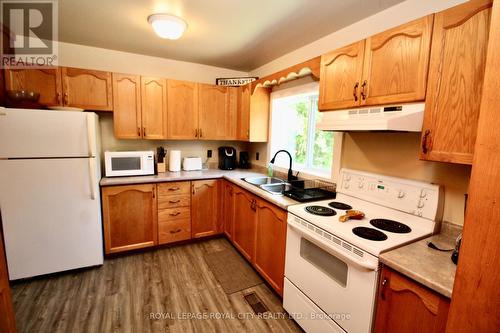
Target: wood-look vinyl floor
x,y
165,290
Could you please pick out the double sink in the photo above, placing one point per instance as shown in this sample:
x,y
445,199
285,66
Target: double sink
x,y
272,185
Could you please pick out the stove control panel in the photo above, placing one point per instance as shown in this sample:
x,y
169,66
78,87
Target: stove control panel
x,y
414,197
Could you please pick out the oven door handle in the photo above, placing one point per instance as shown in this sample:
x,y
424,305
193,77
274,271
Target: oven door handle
x,y
332,250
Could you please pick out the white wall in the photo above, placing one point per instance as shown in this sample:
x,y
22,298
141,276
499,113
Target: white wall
x,y
391,17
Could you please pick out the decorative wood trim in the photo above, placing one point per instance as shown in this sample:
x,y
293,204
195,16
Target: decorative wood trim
x,y
309,67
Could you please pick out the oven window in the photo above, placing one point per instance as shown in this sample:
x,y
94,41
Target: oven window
x,y
324,261
125,163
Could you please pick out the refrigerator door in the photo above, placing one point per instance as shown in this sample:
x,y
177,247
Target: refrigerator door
x,y
41,133
51,215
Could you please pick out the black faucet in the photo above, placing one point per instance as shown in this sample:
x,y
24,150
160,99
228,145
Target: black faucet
x,y
290,175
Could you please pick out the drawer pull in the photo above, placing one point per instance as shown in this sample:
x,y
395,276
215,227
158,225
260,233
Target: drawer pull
x,y
174,201
175,231
174,189
174,214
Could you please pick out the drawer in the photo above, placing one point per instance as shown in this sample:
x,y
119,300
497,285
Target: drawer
x,y
173,188
173,201
174,231
166,215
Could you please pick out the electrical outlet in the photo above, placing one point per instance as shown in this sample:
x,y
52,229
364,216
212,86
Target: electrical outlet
x,y
257,155
209,153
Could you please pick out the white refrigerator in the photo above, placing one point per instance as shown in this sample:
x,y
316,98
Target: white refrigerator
x,y
49,191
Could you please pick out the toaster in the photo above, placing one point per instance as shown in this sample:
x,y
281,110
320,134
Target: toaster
x,y
191,163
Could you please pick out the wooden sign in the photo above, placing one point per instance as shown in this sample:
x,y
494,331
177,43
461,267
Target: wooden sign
x,y
234,81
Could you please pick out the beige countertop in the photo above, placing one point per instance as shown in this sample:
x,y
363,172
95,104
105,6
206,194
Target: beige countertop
x,y
430,267
233,176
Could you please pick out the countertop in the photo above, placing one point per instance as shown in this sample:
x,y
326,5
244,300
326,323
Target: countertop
x,y
233,176
430,267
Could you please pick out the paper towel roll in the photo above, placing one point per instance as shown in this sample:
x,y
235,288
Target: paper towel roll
x,y
174,162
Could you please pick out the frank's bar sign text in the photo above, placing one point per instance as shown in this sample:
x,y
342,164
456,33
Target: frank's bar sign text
x,y
234,81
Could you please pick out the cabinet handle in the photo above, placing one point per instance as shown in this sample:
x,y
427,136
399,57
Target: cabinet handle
x,y
201,133
248,134
66,98
174,201
355,91
382,291
363,90
192,188
425,147
138,131
174,189
144,132
174,214
153,192
175,231
58,98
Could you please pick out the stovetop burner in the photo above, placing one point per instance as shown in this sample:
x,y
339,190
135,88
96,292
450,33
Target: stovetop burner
x,y
320,210
339,205
369,233
391,226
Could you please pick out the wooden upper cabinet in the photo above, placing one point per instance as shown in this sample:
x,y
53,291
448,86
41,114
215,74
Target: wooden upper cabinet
x,y
130,217
340,77
212,106
270,244
205,208
87,89
154,108
127,106
232,113
454,90
245,222
260,101
396,64
406,306
46,82
243,121
182,110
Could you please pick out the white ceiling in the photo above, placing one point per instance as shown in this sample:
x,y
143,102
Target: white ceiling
x,y
236,34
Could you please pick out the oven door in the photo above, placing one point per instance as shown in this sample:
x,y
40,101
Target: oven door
x,y
341,282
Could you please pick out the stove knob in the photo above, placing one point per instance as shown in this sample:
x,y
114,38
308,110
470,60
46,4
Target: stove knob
x,y
401,194
420,203
361,185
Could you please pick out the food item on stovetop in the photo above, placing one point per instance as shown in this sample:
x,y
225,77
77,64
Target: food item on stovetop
x,y
352,214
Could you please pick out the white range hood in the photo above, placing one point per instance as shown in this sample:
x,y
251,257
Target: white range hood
x,y
404,117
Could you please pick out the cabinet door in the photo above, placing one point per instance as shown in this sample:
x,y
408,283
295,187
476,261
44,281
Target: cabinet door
x,y
455,86
232,113
270,244
396,64
228,209
182,110
340,77
127,106
130,217
7,317
260,101
243,121
245,222
46,82
212,106
205,208
87,89
154,108
406,306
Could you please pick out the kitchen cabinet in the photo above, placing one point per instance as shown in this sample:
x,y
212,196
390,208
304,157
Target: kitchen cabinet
x,y
252,122
154,108
387,68
243,113
127,117
232,113
212,106
270,242
205,208
129,217
406,306
87,89
7,317
456,73
245,222
45,81
182,110
228,209
174,212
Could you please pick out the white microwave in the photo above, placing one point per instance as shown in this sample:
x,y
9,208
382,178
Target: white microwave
x,y
129,163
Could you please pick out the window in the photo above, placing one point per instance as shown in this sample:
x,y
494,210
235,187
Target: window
x,y
294,117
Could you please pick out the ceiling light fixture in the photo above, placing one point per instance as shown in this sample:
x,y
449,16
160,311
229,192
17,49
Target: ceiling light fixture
x,y
167,26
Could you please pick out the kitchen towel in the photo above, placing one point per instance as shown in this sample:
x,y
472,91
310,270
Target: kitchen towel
x,y
174,163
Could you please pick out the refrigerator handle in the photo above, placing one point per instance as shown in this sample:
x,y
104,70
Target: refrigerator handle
x,y
91,135
92,176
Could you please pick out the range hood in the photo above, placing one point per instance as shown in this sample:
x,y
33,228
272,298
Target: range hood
x,y
404,117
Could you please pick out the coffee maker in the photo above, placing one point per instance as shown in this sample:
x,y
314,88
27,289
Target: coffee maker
x,y
244,160
227,158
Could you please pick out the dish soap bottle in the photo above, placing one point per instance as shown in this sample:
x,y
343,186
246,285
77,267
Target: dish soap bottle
x,y
270,170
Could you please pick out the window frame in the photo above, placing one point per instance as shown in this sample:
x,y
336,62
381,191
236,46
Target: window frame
x,y
338,136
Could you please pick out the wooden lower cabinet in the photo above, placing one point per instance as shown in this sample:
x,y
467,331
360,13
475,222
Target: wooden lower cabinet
x,y
7,317
130,217
205,215
245,222
406,306
174,212
270,241
228,209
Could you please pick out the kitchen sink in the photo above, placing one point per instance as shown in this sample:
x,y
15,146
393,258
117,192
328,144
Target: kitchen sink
x,y
276,188
258,181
